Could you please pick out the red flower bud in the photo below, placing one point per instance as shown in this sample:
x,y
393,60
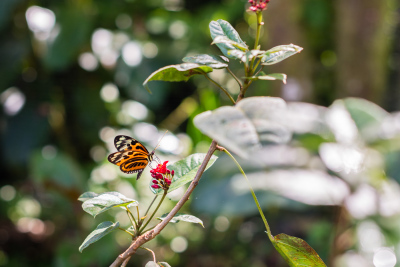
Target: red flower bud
x,y
155,186
155,182
172,172
168,171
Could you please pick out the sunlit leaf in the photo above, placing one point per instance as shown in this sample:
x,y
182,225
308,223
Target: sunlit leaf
x,y
177,73
185,171
214,62
88,195
256,122
297,252
245,56
106,201
182,217
225,29
225,40
102,229
271,77
151,264
279,53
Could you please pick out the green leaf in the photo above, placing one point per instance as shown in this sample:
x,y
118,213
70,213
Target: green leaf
x,y
279,53
102,229
106,201
164,264
256,122
89,195
245,57
177,73
151,264
271,77
214,62
185,171
297,252
225,40
224,28
182,217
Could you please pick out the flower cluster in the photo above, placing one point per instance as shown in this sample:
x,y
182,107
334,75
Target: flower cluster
x,y
162,176
258,5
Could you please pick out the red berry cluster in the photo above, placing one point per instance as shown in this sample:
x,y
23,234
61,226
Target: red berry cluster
x,y
162,176
258,5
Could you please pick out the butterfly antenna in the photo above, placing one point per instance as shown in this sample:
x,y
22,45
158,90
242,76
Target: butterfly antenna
x,y
160,140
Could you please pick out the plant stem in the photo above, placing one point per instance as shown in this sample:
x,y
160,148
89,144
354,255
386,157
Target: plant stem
x,y
152,252
133,221
220,87
125,231
236,78
270,236
154,212
250,69
137,211
151,204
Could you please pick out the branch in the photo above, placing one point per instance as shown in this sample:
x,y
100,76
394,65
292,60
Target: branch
x,y
146,237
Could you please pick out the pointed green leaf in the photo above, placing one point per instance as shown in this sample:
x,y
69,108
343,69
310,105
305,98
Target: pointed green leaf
x,y
279,53
225,40
270,77
106,201
177,73
214,62
224,28
151,264
102,229
88,195
297,252
185,171
182,217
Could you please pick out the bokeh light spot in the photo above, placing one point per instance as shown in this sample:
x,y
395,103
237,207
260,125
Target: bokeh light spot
x,y
109,92
49,152
221,223
88,61
179,244
132,54
13,100
384,257
7,193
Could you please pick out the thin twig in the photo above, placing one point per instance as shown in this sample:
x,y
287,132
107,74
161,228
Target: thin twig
x,y
125,231
236,78
152,252
146,237
220,87
133,221
151,204
154,212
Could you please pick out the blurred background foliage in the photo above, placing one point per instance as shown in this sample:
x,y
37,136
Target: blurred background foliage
x,y
71,79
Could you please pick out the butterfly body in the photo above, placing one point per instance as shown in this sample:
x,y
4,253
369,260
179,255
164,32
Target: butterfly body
x,y
132,156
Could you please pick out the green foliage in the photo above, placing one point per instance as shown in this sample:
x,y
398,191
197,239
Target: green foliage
x,y
297,252
215,62
101,230
223,29
177,73
103,202
279,53
182,217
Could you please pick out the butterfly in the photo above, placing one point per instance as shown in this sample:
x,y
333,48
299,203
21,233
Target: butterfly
x,y
132,156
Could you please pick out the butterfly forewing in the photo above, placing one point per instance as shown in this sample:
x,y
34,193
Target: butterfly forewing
x,y
123,142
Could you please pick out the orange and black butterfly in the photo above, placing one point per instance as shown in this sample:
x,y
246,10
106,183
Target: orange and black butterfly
x,y
132,156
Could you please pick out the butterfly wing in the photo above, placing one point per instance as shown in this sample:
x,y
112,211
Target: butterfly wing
x,y
132,156
123,142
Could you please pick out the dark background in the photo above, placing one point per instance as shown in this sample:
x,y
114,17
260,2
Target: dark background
x,y
56,126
